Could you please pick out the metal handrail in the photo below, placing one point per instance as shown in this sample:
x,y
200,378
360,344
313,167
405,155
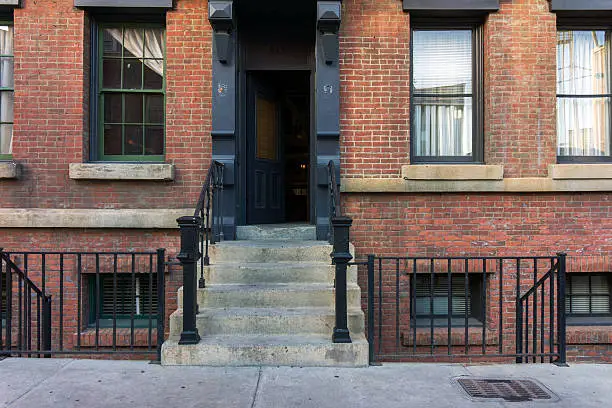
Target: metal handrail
x,y
334,198
209,209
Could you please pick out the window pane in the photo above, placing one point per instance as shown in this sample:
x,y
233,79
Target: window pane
x,y
111,74
6,138
112,139
112,108
442,62
582,67
7,99
133,140
132,74
6,40
154,140
442,126
112,39
599,285
154,109
580,305
600,304
133,43
6,72
153,74
583,126
133,108
154,43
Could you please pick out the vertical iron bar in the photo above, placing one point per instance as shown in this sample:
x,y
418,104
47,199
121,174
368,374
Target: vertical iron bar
x,y
449,306
47,325
527,328
413,306
380,303
483,300
371,308
341,256
431,306
79,265
535,309
207,228
161,300
501,305
97,300
561,310
114,302
542,320
61,302
38,324
203,259
133,306
150,334
221,234
9,307
27,324
466,294
397,303
519,314
20,313
551,306
1,291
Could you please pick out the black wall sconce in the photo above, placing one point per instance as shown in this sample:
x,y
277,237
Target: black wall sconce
x,y
221,17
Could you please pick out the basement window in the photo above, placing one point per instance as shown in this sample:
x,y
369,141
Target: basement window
x,y
121,297
431,302
588,299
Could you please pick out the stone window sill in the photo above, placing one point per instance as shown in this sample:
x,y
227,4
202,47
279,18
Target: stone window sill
x,y
9,170
452,172
580,171
122,171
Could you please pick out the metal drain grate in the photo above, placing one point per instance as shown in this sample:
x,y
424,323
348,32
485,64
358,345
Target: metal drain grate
x,y
507,389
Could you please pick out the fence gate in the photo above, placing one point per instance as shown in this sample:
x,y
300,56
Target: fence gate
x,y
466,309
82,303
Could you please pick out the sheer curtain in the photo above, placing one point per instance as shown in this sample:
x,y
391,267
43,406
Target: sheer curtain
x,y
6,96
150,45
442,83
582,81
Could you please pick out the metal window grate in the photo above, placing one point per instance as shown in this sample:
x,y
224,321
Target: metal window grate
x,y
506,389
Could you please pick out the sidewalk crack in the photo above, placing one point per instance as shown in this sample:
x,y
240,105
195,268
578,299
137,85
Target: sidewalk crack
x,y
256,387
38,384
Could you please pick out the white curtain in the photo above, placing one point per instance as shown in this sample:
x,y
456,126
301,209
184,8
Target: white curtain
x,y
6,97
148,45
582,69
443,129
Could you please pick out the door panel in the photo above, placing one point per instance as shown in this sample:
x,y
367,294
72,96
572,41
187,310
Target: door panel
x,y
265,185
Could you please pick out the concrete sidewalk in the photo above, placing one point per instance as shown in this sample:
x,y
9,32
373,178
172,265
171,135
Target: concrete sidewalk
x,y
93,383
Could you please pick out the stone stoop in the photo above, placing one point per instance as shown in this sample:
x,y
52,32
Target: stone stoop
x,y
269,301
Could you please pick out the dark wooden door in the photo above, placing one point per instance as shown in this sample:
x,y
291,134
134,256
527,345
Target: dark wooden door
x,y
265,184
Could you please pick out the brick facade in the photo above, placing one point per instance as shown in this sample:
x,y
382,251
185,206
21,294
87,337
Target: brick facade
x,y
52,68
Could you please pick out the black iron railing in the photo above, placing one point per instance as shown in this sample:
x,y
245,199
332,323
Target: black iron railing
x,y
339,228
198,232
82,303
466,308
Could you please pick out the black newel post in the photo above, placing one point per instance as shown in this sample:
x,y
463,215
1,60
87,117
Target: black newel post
x,y
341,256
561,336
189,257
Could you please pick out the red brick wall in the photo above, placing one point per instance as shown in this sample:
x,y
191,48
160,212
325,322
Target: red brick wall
x,y
51,111
375,88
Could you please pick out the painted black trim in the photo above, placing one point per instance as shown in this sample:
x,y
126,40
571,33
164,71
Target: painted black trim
x,y
451,8
121,4
580,5
474,24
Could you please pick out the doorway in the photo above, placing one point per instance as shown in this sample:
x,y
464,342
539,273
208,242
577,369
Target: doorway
x,y
278,118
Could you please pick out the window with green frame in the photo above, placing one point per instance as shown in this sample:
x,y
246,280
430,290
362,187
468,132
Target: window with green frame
x,y
122,296
131,88
7,90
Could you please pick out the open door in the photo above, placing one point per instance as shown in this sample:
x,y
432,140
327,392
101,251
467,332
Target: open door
x,y
265,175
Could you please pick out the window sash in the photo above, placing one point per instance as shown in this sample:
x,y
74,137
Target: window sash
x,y
439,296
144,135
588,295
137,296
428,147
584,101
7,91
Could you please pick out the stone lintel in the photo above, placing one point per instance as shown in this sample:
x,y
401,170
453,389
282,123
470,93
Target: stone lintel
x,y
452,172
122,171
9,170
91,218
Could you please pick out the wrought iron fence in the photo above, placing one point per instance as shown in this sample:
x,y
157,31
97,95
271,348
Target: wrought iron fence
x,y
466,308
82,303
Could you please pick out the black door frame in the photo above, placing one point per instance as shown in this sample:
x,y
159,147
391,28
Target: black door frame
x,y
228,109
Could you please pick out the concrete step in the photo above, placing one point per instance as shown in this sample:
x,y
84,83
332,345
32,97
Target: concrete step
x,y
267,321
301,350
270,251
285,232
272,295
279,272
